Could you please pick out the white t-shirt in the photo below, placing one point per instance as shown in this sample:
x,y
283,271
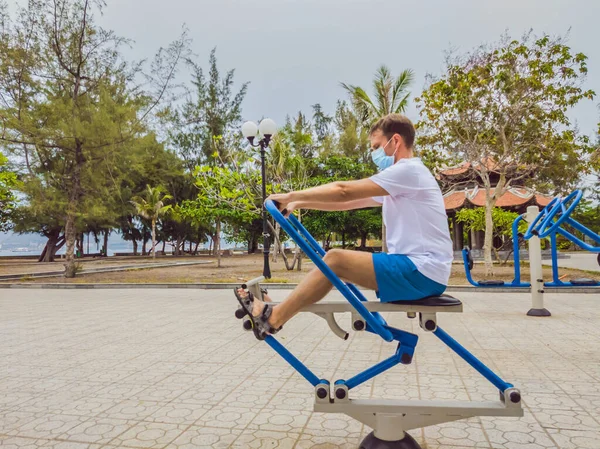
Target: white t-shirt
x,y
415,218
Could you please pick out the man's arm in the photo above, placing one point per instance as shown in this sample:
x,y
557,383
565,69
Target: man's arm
x,y
331,206
339,192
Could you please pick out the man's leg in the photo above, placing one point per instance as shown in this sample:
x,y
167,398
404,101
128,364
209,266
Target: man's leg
x,y
353,266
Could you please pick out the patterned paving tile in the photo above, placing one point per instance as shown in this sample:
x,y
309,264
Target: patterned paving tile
x,y
34,443
129,377
48,426
149,435
206,437
96,430
176,413
263,439
278,420
229,417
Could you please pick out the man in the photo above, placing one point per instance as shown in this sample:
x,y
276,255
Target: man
x,y
419,257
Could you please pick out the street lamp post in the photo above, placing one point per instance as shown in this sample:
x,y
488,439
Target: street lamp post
x,y
267,129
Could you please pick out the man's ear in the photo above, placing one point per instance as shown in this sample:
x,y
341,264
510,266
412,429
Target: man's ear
x,y
401,143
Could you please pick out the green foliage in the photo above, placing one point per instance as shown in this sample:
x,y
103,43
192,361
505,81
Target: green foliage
x,y
72,111
223,194
507,106
588,214
152,205
504,110
350,225
211,110
474,219
8,182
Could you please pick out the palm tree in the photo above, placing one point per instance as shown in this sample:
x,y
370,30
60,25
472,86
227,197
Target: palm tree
x,y
151,207
391,97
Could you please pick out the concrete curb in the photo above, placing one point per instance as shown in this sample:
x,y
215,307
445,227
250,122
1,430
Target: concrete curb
x,y
228,286
113,269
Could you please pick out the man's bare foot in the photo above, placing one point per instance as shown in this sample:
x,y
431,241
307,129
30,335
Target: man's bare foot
x,y
257,305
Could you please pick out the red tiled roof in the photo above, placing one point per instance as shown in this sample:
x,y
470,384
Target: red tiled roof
x,y
456,170
513,197
489,163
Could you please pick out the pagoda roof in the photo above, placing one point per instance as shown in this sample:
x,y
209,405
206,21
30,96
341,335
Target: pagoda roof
x,y
514,197
465,167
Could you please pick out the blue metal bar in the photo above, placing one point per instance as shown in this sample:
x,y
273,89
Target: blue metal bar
x,y
292,360
516,253
577,241
591,234
471,360
311,240
333,278
407,343
556,282
379,368
296,223
362,298
467,270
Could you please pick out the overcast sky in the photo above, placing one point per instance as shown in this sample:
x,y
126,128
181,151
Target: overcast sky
x,y
295,53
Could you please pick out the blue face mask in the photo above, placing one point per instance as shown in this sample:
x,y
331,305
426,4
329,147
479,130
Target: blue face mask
x,y
381,159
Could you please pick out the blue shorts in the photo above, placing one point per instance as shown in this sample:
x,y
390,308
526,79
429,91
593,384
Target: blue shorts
x,y
398,279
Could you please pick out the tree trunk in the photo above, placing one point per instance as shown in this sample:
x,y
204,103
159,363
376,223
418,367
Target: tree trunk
x,y
73,205
343,240
135,247
54,243
490,201
276,248
153,239
145,240
299,251
489,237
61,243
70,236
105,244
79,244
217,246
363,240
164,245
196,248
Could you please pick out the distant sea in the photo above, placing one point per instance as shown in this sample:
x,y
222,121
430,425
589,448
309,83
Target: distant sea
x,y
35,252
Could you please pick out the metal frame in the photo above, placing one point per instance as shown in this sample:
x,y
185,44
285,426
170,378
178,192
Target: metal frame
x,y
516,282
548,228
390,419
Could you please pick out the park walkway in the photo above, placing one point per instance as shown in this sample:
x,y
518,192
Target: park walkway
x,y
173,368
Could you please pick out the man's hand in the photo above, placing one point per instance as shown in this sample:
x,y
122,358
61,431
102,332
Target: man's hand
x,y
283,200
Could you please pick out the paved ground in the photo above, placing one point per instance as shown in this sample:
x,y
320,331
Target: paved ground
x,y
580,261
172,368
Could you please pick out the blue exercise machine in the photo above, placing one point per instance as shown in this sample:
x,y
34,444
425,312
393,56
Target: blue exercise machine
x,y
550,222
516,282
390,419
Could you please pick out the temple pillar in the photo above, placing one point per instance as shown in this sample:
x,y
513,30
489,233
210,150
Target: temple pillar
x,y
478,240
457,235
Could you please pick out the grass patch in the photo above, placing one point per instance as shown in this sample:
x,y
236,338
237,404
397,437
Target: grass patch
x,y
276,281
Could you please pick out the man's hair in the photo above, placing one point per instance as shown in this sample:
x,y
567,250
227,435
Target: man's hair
x,y
396,124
